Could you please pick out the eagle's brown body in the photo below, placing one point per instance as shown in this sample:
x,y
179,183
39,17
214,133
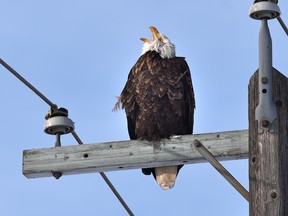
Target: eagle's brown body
x,y
158,99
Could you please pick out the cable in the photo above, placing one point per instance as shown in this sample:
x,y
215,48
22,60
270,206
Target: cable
x,y
116,193
282,24
52,105
107,181
77,138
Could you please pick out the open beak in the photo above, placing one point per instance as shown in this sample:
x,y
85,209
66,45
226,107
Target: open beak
x,y
155,35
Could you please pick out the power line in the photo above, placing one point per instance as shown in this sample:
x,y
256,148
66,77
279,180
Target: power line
x,y
52,105
283,25
108,181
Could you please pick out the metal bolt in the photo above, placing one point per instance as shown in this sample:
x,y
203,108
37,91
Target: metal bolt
x,y
264,80
56,174
265,123
197,143
274,195
278,103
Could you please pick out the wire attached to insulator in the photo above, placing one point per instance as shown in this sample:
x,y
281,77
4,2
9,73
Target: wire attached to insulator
x,y
54,107
103,175
29,85
283,25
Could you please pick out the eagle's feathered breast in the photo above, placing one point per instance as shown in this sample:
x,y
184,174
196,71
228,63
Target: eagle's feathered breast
x,y
158,98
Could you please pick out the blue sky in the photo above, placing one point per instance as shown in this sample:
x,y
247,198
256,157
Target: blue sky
x,y
79,53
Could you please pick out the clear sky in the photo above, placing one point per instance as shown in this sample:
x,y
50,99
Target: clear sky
x,y
79,53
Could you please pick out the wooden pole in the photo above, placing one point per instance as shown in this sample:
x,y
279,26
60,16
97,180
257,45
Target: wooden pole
x,y
268,151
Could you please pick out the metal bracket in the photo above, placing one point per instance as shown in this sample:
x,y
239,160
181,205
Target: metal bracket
x,y
265,112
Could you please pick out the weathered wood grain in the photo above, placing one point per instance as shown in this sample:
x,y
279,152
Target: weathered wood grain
x,y
111,156
268,170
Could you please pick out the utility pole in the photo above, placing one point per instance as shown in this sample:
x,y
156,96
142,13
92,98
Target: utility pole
x,y
268,115
268,138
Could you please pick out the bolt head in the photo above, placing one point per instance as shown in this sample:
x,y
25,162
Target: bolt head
x,y
264,80
265,123
274,194
56,174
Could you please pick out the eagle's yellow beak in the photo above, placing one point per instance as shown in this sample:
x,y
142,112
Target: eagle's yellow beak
x,y
155,35
146,40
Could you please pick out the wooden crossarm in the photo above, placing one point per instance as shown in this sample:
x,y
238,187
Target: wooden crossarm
x,y
123,155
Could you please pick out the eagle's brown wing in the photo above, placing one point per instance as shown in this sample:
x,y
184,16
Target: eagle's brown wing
x,y
158,99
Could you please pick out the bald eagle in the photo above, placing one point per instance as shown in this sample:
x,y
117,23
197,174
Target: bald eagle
x,y
158,99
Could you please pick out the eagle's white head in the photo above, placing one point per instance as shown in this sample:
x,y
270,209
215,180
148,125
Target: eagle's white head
x,y
160,44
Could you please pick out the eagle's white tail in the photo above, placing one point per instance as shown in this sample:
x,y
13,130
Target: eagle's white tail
x,y
166,176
